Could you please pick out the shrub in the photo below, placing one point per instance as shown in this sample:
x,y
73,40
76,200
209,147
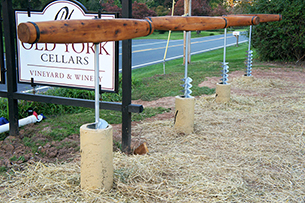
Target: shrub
x,y
140,10
283,40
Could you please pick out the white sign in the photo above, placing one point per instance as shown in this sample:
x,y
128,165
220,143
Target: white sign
x,y
70,65
235,33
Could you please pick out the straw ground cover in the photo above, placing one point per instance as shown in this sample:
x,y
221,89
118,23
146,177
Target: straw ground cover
x,y
250,149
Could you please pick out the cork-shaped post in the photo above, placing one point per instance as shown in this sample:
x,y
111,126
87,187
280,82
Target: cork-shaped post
x,y
223,92
96,157
184,114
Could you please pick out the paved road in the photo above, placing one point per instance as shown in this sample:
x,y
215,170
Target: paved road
x,y
147,51
150,51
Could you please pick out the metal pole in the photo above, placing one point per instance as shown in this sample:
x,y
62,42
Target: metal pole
x,y
190,33
186,56
1,51
224,72
9,34
96,84
249,55
250,33
126,82
224,46
185,42
187,81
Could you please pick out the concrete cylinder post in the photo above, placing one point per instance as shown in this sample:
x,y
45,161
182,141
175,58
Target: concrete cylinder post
x,y
223,93
184,114
96,157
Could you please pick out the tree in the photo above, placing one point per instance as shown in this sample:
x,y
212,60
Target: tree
x,y
239,6
219,10
110,6
283,40
199,8
140,10
161,11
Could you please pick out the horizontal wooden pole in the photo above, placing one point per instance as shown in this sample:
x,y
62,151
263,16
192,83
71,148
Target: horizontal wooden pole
x,y
242,20
263,18
188,23
79,31
101,30
193,23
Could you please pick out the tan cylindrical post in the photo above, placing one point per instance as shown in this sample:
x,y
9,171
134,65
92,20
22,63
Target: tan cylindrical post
x,y
184,114
96,157
248,79
223,92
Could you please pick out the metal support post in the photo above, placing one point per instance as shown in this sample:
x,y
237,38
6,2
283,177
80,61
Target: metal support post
x,y
187,80
224,65
249,55
126,82
2,71
9,24
97,84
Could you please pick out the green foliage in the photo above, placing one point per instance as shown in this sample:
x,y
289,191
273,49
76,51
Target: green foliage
x,y
283,40
3,169
161,11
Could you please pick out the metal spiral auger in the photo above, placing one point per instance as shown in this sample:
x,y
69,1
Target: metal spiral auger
x,y
249,62
187,85
224,71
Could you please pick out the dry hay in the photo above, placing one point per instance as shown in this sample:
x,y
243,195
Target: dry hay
x,y
250,149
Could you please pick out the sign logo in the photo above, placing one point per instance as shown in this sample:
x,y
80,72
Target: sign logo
x,y
67,65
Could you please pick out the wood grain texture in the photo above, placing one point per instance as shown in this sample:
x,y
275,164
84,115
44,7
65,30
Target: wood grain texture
x,y
263,18
78,31
242,20
188,23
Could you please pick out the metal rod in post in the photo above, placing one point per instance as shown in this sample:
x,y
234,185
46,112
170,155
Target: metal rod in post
x,y
224,46
190,33
224,72
96,84
250,33
249,55
186,64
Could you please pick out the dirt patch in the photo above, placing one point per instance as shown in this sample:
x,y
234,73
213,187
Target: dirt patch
x,y
13,151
